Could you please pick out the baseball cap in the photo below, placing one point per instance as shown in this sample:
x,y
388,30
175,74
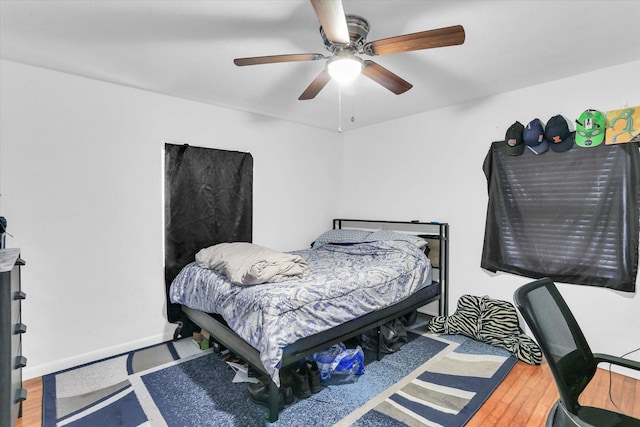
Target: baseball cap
x,y
590,128
558,134
533,137
513,144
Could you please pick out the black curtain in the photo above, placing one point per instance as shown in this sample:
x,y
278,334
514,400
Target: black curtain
x,y
571,216
208,200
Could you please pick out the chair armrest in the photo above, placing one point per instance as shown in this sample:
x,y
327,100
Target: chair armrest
x,y
607,358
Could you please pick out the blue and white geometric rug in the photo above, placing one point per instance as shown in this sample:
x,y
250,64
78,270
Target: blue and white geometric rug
x,y
432,380
107,392
446,390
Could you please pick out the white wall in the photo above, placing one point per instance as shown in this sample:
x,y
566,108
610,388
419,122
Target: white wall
x,y
80,185
429,167
81,188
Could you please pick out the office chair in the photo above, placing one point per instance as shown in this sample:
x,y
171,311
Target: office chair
x,y
567,352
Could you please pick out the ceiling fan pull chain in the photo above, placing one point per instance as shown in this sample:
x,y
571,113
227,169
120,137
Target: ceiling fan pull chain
x,y
353,107
339,108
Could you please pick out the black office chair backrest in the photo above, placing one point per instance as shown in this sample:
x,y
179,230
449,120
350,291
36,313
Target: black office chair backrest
x,y
562,342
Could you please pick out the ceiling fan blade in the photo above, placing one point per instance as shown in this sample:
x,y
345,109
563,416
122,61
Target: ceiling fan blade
x,y
447,36
330,13
277,58
316,86
386,78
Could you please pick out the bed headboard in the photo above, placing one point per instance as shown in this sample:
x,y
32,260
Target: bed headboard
x,y
435,233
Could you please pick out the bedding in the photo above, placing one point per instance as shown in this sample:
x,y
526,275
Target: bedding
x,y
248,264
341,236
345,281
393,235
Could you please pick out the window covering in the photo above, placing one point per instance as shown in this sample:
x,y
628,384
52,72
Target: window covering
x,y
208,200
571,216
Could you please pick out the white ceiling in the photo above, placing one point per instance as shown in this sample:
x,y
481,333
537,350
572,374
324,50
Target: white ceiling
x,y
186,49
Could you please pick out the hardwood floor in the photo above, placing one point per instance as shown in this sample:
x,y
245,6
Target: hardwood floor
x,y
523,399
32,407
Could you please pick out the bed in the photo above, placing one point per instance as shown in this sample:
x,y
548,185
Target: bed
x,y
360,276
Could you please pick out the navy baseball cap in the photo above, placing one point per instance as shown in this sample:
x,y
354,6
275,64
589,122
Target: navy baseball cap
x,y
513,144
558,134
533,137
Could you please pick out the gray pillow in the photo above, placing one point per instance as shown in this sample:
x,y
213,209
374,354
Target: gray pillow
x,y
341,236
384,235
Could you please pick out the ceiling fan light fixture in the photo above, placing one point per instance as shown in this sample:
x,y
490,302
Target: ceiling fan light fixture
x,y
344,68
345,37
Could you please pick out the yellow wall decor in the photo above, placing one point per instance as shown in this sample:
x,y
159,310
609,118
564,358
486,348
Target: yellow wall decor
x,y
623,125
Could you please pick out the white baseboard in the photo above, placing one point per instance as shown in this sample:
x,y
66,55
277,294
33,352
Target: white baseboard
x,y
430,309
29,372
621,370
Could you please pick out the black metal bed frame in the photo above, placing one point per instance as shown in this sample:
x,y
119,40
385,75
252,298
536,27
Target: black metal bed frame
x,y
293,353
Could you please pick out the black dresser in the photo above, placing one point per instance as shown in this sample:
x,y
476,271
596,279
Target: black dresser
x,y
11,329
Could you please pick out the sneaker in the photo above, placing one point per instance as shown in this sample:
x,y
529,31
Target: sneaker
x,y
301,383
259,393
313,372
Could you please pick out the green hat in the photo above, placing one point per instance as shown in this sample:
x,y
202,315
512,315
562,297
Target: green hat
x,y
590,128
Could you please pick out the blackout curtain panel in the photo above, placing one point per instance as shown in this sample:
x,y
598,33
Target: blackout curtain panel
x,y
208,200
571,216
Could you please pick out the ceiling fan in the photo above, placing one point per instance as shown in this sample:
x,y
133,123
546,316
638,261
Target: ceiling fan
x,y
345,37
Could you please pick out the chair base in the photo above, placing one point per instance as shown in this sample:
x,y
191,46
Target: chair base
x,y
588,417
560,417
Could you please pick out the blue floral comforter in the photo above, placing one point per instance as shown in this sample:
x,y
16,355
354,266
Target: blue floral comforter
x,y
345,282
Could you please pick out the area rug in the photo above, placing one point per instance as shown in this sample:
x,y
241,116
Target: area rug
x,y
107,392
180,385
447,390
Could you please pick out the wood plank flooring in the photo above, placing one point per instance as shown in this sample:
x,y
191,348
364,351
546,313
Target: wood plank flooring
x,y
32,407
523,399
